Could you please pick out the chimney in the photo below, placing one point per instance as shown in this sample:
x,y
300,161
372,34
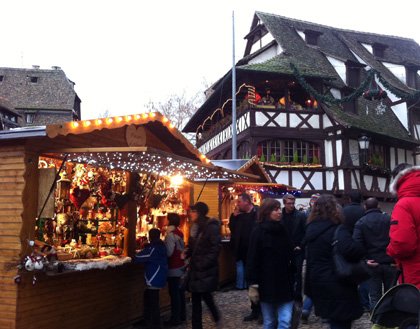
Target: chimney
x,y
56,67
35,67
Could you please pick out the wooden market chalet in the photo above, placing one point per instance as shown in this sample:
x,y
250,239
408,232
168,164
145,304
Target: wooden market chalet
x,y
324,109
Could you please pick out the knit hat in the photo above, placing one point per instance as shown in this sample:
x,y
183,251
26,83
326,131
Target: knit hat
x,y
201,208
313,199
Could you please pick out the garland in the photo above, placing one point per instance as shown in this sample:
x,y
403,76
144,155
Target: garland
x,y
327,98
403,95
357,93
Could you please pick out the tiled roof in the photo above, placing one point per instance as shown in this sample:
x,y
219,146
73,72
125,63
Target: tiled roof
x,y
52,89
338,43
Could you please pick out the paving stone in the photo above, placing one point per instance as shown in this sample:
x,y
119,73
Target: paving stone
x,y
234,305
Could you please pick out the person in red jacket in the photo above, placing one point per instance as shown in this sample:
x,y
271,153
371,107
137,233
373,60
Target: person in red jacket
x,y
404,245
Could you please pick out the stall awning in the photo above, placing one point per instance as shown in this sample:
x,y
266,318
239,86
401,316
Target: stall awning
x,y
148,160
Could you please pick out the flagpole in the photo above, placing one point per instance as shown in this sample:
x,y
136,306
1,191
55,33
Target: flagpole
x,y
234,147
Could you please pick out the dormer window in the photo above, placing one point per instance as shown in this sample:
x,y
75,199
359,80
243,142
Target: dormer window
x,y
411,76
311,37
379,50
33,79
353,74
1,78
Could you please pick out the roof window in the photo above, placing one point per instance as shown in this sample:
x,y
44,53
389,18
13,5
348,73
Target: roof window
x,y
1,78
311,37
33,79
379,49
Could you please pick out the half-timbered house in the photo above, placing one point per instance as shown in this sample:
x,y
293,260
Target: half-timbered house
x,y
324,109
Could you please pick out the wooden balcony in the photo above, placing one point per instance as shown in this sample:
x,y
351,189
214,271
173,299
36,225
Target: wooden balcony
x,y
260,116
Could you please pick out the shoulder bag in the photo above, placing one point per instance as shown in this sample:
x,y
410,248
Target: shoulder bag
x,y
348,272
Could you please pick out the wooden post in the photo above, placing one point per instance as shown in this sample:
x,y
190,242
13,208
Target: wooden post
x,y
130,236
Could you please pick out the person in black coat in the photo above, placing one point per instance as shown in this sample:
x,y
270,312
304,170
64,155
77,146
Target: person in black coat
x,y
203,250
334,300
242,226
372,231
295,221
352,213
270,266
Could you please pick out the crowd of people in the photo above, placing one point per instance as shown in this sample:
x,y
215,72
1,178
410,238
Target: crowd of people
x,y
284,256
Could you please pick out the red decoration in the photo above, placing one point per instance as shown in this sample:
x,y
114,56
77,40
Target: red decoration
x,y
78,196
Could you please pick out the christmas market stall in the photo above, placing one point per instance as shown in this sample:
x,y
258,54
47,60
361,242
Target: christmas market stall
x,y
76,202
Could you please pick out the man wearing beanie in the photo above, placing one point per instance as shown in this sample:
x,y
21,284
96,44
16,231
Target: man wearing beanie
x,y
203,250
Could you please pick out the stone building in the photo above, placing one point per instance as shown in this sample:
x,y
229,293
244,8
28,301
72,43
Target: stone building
x,y
39,96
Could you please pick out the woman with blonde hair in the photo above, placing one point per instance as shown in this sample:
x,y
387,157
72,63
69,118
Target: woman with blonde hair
x,y
270,266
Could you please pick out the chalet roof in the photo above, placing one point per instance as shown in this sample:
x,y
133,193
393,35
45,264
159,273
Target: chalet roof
x,y
369,120
132,142
312,62
37,88
252,166
341,44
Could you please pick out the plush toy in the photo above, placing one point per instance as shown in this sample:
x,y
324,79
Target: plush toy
x,y
29,263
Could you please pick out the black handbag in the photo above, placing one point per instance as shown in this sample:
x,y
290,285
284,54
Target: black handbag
x,y
347,271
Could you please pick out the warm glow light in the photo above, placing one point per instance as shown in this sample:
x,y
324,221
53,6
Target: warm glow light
x,y
119,119
86,123
202,156
144,115
176,180
98,122
171,125
138,116
109,121
128,118
75,124
207,160
165,120
152,114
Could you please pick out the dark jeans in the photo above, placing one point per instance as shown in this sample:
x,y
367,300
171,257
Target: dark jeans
x,y
151,308
197,310
298,259
340,324
383,276
178,311
364,295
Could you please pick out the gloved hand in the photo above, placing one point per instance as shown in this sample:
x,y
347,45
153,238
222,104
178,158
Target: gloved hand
x,y
253,293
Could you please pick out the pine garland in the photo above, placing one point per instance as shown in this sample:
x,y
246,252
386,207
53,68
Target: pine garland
x,y
357,93
327,98
403,95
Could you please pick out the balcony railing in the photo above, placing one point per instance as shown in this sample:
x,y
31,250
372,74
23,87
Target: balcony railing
x,y
245,107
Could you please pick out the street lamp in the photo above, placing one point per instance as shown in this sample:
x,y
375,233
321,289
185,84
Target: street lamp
x,y
364,147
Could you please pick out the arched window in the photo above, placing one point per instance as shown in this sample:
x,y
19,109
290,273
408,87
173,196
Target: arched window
x,y
278,150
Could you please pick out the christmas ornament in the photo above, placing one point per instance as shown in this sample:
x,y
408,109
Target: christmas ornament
x,y
78,196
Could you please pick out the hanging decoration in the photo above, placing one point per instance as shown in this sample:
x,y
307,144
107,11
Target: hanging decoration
x,y
370,94
400,94
272,191
381,108
252,96
374,92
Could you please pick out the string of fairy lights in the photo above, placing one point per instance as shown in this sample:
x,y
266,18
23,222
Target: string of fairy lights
x,y
152,163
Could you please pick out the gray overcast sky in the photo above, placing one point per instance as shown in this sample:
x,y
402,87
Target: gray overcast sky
x,y
122,54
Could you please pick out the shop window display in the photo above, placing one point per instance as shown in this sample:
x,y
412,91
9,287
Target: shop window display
x,y
89,219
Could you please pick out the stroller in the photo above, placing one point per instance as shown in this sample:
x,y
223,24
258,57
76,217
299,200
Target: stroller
x,y
399,308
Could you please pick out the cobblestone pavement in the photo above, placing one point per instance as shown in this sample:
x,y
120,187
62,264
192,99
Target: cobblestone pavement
x,y
234,305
